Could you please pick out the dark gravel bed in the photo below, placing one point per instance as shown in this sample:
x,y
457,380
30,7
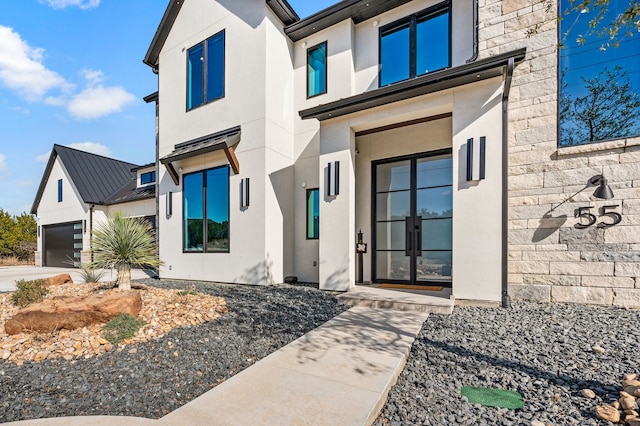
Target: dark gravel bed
x,y
542,351
153,381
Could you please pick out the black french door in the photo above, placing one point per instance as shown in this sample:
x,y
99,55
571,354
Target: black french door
x,y
413,213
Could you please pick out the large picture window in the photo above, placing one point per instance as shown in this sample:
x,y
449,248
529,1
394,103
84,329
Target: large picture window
x,y
206,195
416,45
205,71
599,85
317,70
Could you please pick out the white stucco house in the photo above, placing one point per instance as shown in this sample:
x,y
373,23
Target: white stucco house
x,y
78,190
449,132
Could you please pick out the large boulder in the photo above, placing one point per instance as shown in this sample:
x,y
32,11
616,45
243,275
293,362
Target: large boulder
x,y
58,280
71,313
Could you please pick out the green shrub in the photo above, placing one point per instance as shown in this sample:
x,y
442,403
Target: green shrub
x,y
187,293
29,292
91,275
124,326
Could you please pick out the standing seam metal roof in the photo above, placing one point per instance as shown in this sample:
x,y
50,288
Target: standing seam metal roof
x,y
96,178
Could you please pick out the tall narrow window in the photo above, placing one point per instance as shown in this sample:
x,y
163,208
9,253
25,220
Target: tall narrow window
x,y
205,71
313,214
317,70
59,190
415,45
206,195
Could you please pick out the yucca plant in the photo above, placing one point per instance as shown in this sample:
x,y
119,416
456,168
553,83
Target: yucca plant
x,y
122,243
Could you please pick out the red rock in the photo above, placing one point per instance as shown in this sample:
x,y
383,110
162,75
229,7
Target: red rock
x,y
59,280
65,313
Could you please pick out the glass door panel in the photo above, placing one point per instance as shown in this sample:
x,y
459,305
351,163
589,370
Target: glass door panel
x,y
413,219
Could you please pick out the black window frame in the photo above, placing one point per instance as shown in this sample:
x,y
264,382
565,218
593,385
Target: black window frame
x,y
204,211
412,21
152,180
205,51
309,191
59,190
326,68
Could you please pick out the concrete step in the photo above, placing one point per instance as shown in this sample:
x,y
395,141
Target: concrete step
x,y
382,298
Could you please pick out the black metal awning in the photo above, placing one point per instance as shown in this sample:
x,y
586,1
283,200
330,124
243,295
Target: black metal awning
x,y
440,80
224,140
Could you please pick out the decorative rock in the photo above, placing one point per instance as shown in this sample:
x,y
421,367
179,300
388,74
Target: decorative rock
x,y
631,413
598,349
615,404
633,421
636,393
55,314
630,376
607,412
588,393
59,280
628,403
537,423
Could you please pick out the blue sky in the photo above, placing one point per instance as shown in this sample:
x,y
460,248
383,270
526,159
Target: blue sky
x,y
71,73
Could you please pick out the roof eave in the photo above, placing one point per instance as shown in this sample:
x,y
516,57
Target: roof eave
x,y
159,38
283,11
442,80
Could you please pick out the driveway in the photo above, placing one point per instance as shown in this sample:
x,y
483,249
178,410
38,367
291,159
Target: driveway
x,y
10,274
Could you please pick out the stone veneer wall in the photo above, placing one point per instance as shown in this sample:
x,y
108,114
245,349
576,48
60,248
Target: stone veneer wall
x,y
550,259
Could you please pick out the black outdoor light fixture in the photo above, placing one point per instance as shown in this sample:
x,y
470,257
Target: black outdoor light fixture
x,y
603,191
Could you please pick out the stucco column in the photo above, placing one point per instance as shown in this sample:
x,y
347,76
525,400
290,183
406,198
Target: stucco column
x,y
337,213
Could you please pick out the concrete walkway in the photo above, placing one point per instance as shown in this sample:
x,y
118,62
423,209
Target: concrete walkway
x,y
338,374
10,274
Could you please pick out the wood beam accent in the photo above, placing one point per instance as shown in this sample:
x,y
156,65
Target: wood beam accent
x,y
233,160
172,172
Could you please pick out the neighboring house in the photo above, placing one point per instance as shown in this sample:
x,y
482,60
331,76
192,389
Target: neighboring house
x,y
78,190
431,126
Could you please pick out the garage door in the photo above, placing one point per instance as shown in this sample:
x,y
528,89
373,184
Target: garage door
x,y
63,245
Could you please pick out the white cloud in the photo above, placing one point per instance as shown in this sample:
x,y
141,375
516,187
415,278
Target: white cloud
x,y
21,68
92,147
98,101
3,164
61,4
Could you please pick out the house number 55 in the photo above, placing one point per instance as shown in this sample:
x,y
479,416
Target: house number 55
x,y
587,219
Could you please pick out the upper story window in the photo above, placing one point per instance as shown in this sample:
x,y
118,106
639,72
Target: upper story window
x,y
205,71
599,85
206,211
147,178
317,70
59,190
416,45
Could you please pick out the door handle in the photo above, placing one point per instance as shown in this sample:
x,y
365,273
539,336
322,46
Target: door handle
x,y
408,225
418,235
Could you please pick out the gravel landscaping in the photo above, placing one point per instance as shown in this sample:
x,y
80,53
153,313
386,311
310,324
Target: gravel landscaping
x,y
153,378
543,351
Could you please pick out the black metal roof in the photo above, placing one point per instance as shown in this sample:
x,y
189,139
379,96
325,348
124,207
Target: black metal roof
x,y
131,193
209,143
357,10
429,83
96,178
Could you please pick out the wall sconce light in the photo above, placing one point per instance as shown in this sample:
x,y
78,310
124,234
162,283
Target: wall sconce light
x,y
84,226
476,155
244,193
169,204
333,179
603,191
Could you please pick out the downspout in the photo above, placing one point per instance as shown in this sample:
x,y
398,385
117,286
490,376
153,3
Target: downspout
x,y
506,299
91,230
158,172
476,25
